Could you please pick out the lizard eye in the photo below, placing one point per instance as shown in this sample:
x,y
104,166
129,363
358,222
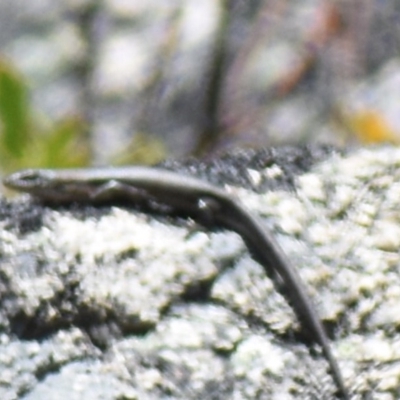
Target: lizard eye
x,y
28,178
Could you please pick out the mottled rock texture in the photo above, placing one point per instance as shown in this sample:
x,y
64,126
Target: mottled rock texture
x,y
114,302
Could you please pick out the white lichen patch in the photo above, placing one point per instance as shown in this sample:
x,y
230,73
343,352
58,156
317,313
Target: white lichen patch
x,y
274,171
123,261
387,379
192,328
122,231
256,357
162,259
312,187
372,362
255,176
386,235
248,289
111,235
374,347
386,316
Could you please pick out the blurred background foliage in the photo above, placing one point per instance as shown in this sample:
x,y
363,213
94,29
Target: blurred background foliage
x,y
95,82
28,138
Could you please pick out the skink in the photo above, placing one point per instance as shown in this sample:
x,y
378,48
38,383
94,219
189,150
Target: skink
x,y
192,197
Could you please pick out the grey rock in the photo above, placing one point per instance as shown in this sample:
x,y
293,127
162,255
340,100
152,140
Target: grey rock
x,y
115,303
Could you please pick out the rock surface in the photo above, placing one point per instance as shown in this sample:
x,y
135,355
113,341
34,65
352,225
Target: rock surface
x,y
117,303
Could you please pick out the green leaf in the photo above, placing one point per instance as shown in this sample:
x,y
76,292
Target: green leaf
x,y
14,109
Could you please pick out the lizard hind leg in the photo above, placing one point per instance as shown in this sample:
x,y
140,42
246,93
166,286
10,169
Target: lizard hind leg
x,y
207,207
